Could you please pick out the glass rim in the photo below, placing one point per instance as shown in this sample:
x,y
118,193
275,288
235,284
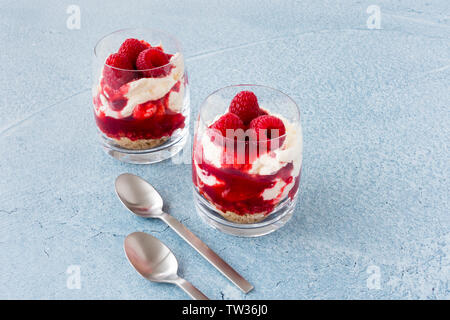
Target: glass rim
x,y
202,121
166,34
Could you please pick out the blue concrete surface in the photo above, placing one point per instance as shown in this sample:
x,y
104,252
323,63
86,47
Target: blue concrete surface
x,y
375,184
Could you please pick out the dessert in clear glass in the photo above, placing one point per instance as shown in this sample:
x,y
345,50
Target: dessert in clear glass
x,y
140,95
247,159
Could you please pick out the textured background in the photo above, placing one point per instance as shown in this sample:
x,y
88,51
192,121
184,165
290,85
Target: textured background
x,y
375,115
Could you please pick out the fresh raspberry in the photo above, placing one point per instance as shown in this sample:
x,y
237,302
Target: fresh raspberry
x,y
152,58
245,106
227,121
131,49
268,123
262,112
145,43
118,60
118,70
148,110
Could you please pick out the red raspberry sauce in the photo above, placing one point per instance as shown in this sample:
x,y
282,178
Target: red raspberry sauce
x,y
162,122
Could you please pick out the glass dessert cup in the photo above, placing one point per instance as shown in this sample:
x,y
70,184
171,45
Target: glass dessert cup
x,y
141,104
246,181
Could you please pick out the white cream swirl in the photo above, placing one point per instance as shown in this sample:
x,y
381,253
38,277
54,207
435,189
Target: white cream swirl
x,y
266,164
148,89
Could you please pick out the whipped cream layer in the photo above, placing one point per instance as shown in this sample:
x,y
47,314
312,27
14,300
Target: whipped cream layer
x,y
148,89
266,164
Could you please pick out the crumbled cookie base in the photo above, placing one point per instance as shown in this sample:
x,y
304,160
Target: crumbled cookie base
x,y
140,144
245,218
240,218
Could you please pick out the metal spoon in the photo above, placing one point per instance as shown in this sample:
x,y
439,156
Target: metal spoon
x,y
143,200
155,262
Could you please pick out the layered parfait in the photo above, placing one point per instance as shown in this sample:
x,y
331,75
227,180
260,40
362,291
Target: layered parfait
x,y
247,160
139,98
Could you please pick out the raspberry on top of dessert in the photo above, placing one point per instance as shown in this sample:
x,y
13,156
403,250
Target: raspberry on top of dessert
x,y
248,160
140,95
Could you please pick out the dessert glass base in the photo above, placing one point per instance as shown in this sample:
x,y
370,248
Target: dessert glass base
x,y
274,221
158,149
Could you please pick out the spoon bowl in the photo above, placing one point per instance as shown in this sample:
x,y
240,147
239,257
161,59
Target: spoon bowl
x,y
155,262
150,257
139,196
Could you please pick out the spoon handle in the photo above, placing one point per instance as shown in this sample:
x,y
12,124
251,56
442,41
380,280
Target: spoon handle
x,y
207,253
192,291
